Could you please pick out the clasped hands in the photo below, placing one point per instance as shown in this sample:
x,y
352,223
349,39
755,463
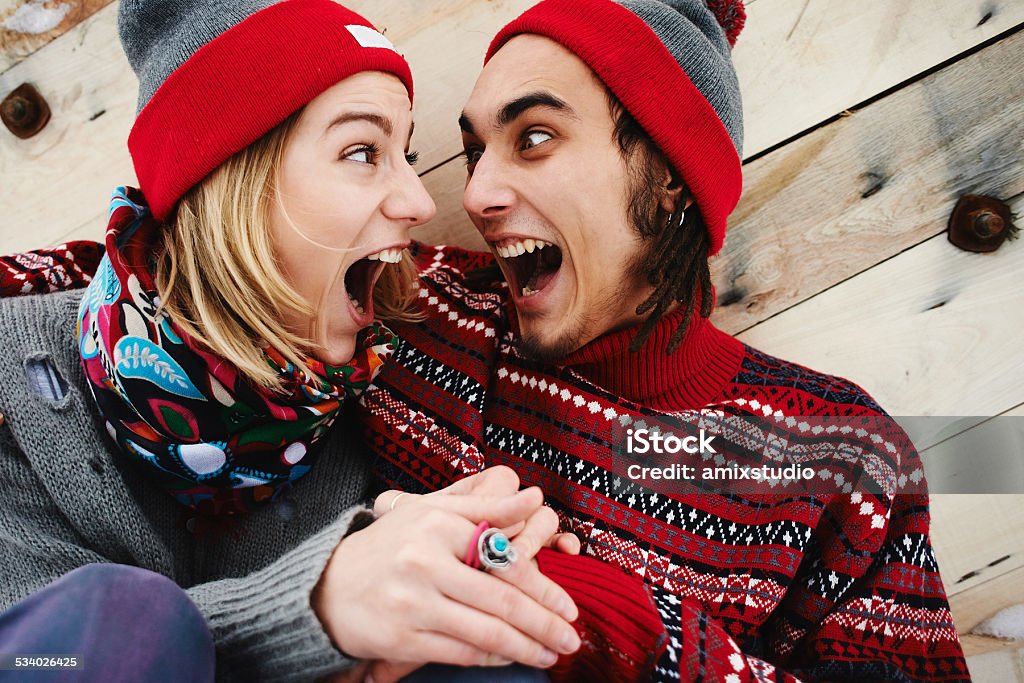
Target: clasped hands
x,y
397,594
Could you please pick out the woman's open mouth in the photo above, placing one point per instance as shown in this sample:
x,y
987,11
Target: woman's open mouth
x,y
360,279
529,264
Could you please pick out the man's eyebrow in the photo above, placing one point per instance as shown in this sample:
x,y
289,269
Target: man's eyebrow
x,y
512,110
382,122
517,107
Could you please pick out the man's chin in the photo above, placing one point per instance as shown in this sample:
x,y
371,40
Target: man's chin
x,y
540,352
545,349
549,336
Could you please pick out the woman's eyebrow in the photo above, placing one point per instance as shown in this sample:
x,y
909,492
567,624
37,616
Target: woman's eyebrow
x,y
382,122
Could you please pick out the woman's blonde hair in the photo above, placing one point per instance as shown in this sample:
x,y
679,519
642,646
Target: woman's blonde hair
x,y
218,276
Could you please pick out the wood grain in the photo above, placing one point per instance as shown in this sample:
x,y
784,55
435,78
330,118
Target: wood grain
x,y
805,61
871,185
835,249
977,537
60,180
56,183
16,45
932,331
82,158
994,661
973,606
445,185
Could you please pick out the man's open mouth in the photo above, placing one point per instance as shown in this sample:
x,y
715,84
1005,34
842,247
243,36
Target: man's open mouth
x,y
362,275
530,264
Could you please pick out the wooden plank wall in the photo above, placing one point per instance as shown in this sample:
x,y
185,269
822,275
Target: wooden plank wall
x,y
27,26
864,123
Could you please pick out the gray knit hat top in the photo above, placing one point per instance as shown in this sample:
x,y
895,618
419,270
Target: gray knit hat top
x,y
159,35
669,63
701,48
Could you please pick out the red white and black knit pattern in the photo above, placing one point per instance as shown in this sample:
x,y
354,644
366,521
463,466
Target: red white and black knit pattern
x,y
745,587
67,266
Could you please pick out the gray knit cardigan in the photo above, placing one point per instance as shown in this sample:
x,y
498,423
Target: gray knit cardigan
x,y
68,499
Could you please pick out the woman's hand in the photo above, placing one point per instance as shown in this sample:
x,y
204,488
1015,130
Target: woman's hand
x,y
398,590
493,482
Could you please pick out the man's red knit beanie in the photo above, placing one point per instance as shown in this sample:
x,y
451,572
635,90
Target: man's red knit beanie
x,y
669,63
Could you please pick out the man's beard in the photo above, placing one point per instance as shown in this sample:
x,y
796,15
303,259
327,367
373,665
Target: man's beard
x,y
549,353
633,278
574,337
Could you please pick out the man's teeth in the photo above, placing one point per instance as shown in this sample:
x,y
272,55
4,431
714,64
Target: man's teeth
x,y
529,292
387,255
513,248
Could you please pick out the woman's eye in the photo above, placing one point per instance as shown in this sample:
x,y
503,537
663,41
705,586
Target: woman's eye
x,y
534,138
366,154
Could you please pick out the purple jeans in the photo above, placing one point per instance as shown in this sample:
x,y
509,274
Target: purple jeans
x,y
121,623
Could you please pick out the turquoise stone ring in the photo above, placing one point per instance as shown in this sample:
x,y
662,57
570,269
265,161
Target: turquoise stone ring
x,y
495,551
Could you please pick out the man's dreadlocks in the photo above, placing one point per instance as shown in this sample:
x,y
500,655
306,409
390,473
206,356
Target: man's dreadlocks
x,y
675,260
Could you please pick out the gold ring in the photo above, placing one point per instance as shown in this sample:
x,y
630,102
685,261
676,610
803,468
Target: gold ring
x,y
395,500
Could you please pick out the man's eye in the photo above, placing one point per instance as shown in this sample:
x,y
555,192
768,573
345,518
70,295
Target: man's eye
x,y
364,154
472,155
534,138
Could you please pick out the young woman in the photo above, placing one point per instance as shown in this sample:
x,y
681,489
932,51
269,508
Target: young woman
x,y
231,318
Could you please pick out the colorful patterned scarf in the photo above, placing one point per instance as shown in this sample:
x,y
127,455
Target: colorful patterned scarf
x,y
214,440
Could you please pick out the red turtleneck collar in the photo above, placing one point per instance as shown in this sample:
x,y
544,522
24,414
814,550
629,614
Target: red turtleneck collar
x,y
689,378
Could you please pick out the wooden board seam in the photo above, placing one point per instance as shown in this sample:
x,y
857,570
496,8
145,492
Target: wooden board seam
x,y
852,110
794,304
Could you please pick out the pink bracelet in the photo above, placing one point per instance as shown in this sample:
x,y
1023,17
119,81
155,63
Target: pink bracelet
x,y
472,553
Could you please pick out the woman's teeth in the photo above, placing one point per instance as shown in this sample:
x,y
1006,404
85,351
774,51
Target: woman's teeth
x,y
387,256
355,304
513,248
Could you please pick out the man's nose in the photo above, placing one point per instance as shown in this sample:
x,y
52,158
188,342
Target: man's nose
x,y
488,193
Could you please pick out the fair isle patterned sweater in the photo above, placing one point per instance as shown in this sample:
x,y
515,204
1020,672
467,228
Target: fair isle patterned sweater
x,y
717,587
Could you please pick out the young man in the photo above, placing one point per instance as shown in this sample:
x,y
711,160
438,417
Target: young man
x,y
603,152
